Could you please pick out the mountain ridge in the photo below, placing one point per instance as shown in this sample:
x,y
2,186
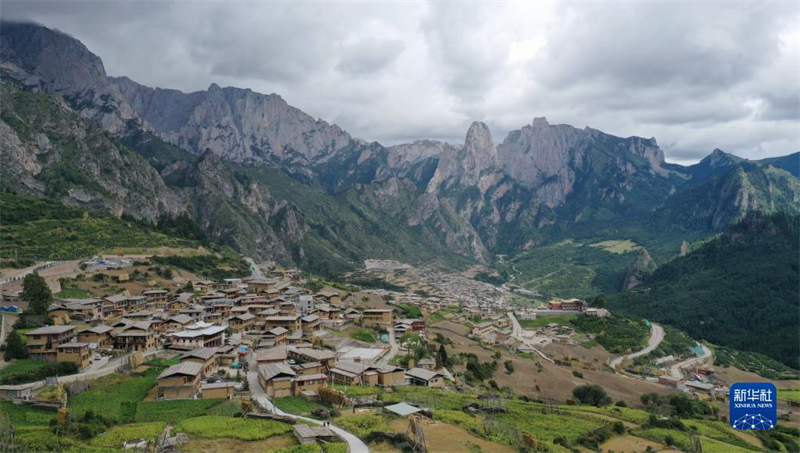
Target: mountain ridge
x,y
541,182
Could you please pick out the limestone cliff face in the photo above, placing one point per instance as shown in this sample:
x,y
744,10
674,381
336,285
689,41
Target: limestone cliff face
x,y
237,124
641,268
51,150
266,227
39,58
472,199
469,165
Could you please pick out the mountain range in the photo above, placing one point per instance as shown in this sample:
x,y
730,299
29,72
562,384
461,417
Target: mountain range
x,y
271,181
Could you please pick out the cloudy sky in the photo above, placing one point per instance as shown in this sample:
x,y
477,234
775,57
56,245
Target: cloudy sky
x,y
696,76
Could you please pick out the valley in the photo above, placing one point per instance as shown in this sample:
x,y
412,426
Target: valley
x,y
218,270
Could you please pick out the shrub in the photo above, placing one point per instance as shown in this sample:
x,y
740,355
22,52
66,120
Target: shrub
x,y
35,370
592,395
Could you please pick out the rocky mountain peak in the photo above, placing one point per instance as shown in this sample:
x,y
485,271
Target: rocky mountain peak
x,y
479,145
718,158
40,58
540,121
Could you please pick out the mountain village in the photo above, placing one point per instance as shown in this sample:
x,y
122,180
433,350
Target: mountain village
x,y
268,336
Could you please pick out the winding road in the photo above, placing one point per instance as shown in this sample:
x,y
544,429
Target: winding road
x,y
677,370
656,337
355,444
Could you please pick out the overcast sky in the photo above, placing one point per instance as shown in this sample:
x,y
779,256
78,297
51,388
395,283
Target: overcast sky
x,y
696,76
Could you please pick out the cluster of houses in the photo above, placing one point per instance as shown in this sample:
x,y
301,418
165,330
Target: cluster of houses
x,y
217,325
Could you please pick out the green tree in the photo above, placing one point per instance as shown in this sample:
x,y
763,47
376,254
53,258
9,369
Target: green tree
x,y
15,348
509,366
441,357
592,395
37,294
600,301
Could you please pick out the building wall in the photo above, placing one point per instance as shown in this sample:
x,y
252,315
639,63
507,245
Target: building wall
x,y
308,385
225,392
179,387
81,357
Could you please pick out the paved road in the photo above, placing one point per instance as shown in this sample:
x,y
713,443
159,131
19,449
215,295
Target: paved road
x,y
656,337
517,333
677,370
355,444
97,364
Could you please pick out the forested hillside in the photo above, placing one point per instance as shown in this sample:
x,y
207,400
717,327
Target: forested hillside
x,y
739,290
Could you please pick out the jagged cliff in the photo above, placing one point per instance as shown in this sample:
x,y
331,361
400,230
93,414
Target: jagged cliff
x,y
270,180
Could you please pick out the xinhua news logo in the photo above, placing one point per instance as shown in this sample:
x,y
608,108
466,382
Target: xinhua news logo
x,y
753,406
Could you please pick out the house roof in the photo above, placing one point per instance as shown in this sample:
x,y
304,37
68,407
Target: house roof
x,y
50,330
140,325
349,367
277,331
244,317
117,298
200,353
316,354
282,318
72,344
213,330
100,329
422,374
184,368
311,377
402,409
277,353
272,370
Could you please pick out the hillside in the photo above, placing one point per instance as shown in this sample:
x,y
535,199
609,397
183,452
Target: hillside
x,y
271,181
739,290
49,230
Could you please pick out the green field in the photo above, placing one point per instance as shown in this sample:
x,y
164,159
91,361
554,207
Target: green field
x,y
214,426
22,366
789,395
618,247
118,435
366,336
172,411
115,397
542,321
296,405
112,411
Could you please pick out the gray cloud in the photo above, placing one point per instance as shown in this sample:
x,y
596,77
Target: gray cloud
x,y
369,56
695,76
